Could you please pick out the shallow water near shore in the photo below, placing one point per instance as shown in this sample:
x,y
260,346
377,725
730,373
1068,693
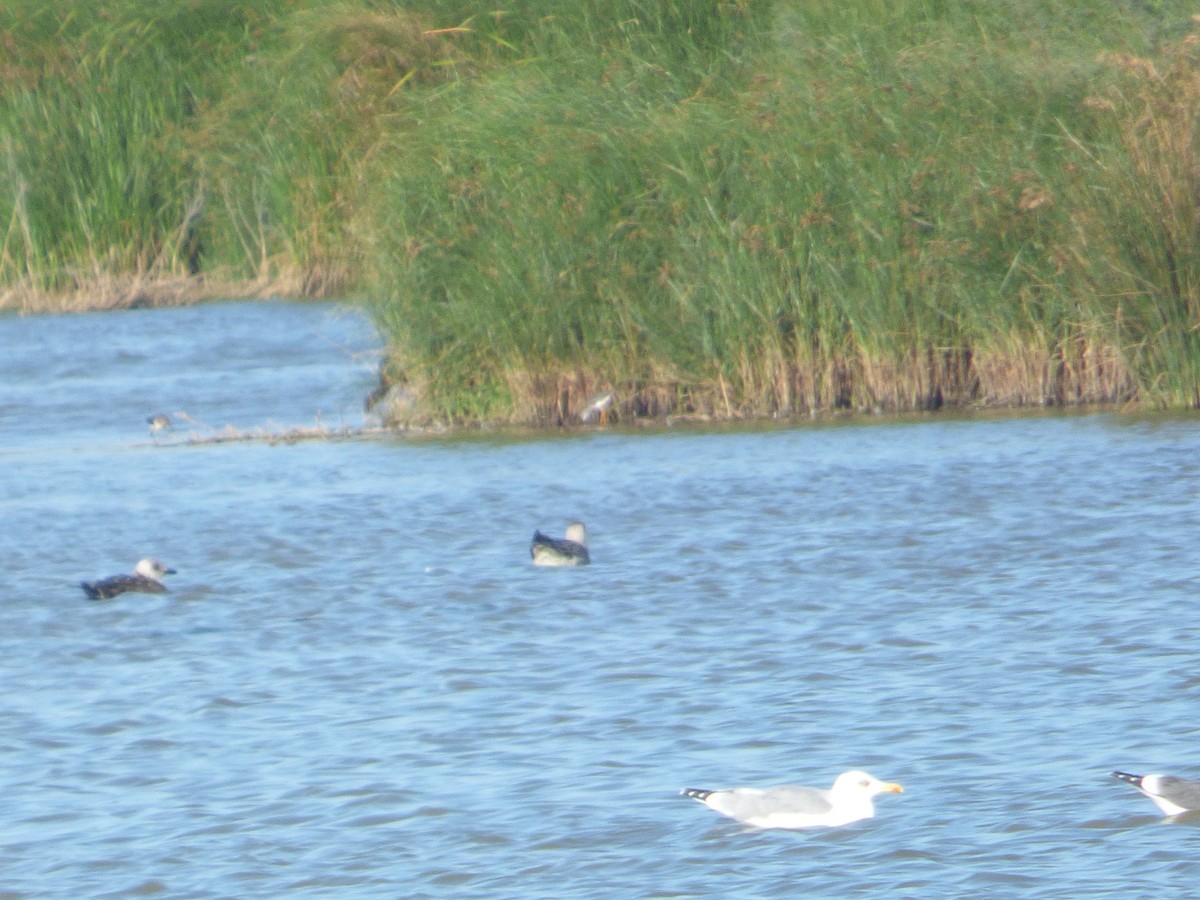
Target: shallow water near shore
x,y
358,686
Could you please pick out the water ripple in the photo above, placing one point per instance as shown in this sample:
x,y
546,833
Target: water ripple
x,y
358,685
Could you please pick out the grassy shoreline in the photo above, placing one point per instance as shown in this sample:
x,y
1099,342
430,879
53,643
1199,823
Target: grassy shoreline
x,y
723,210
102,291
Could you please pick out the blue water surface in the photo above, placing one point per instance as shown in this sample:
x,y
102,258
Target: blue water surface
x,y
358,686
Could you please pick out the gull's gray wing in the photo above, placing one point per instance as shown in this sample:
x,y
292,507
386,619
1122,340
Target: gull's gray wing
x,y
753,803
1180,791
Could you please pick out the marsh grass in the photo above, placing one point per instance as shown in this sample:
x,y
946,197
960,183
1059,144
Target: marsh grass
x,y
859,208
162,152
1141,261
873,207
91,190
716,209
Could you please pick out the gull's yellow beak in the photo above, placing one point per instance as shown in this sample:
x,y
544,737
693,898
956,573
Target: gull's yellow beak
x,y
890,787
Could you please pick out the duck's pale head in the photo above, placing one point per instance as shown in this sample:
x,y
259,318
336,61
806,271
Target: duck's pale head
x,y
152,568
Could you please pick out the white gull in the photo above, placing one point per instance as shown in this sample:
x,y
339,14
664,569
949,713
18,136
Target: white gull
x,y
792,806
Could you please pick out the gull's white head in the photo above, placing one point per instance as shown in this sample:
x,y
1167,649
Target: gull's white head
x,y
577,533
152,568
1152,784
860,784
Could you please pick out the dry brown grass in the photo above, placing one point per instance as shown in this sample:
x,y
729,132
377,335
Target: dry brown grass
x,y
101,290
1013,373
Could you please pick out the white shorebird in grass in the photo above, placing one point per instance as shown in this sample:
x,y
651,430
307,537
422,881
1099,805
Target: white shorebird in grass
x,y
146,579
1170,794
571,551
597,407
792,806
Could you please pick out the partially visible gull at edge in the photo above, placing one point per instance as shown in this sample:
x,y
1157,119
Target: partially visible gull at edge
x,y
792,806
1171,794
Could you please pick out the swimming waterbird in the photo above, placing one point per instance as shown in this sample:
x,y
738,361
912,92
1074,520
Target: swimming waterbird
x,y
146,579
792,806
572,551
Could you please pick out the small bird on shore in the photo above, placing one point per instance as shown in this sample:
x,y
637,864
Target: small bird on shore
x,y
791,806
597,407
1170,794
146,579
572,551
159,423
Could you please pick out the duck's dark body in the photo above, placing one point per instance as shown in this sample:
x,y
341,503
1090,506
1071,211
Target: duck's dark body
x,y
122,584
145,579
548,551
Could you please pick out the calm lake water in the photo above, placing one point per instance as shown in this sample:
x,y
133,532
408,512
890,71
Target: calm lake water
x,y
359,687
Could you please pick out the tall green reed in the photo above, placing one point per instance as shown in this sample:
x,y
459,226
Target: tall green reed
x,y
732,208
91,102
1139,241
843,207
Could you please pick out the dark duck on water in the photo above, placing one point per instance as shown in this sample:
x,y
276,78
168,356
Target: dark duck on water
x,y
146,579
572,551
